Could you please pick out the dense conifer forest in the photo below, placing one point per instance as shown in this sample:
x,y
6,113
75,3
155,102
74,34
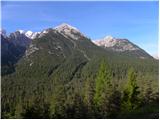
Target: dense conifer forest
x,y
106,94
68,78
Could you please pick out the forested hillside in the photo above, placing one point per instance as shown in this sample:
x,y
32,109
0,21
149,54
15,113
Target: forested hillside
x,y
62,76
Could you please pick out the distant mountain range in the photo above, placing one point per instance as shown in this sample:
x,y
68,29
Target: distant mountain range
x,y
64,39
23,38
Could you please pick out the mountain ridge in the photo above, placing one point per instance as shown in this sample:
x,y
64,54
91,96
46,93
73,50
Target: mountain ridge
x,y
115,44
122,46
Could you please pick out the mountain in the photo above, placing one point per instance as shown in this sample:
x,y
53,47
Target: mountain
x,y
52,72
21,43
24,43
14,47
18,38
30,34
69,31
122,46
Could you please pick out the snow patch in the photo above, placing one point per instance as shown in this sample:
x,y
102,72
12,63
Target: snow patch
x,y
21,31
45,31
29,34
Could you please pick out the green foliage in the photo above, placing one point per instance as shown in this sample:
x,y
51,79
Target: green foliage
x,y
130,93
57,103
89,91
150,95
150,111
103,84
76,109
18,110
107,98
38,109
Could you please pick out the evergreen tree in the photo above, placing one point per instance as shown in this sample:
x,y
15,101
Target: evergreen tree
x,y
106,97
88,97
130,100
57,102
103,82
150,96
18,110
39,109
79,107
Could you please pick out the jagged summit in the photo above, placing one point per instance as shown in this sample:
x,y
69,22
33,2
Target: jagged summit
x,y
21,31
107,41
64,29
29,34
64,26
121,45
116,44
69,31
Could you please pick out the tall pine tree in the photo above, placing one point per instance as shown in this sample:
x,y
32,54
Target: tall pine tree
x,y
104,92
130,100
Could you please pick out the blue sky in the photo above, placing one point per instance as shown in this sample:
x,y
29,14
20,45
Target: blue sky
x,y
136,21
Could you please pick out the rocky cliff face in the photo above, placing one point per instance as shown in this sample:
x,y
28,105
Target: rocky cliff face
x,y
122,46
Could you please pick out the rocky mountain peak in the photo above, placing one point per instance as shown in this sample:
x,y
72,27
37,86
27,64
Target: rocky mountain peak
x,y
116,44
65,26
21,31
69,31
29,34
122,45
107,41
